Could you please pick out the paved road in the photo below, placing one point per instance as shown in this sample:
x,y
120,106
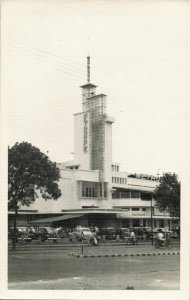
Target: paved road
x,y
55,269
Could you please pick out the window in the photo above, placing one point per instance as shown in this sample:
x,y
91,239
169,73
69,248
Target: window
x,y
146,196
125,194
143,209
112,179
94,193
135,209
100,190
117,179
135,194
89,189
116,194
105,191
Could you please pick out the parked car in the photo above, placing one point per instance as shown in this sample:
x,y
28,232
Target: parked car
x,y
110,233
123,233
11,234
80,233
21,234
45,233
23,230
32,232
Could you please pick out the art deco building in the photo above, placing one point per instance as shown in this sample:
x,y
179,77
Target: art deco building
x,y
94,191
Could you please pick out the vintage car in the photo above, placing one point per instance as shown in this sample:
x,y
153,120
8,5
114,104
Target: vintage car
x,y
11,235
45,233
123,233
81,233
109,233
21,234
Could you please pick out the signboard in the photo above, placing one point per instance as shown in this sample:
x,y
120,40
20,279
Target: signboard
x,y
130,214
85,135
138,214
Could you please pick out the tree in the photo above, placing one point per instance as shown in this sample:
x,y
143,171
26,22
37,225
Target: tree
x,y
29,168
167,195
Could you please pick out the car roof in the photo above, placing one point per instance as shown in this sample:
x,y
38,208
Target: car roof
x,y
83,228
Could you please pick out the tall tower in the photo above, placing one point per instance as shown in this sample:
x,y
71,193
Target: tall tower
x,y
93,151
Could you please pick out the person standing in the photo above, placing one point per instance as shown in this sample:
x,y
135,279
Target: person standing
x,y
160,239
133,237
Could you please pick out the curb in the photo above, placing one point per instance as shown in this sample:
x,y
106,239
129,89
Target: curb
x,y
124,255
67,246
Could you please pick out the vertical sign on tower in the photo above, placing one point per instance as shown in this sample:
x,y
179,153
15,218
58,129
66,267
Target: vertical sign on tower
x,y
85,140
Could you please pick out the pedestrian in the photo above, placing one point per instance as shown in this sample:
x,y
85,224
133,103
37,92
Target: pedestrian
x,y
160,238
93,240
133,237
58,231
144,235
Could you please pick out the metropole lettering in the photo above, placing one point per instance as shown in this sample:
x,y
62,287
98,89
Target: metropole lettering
x,y
85,141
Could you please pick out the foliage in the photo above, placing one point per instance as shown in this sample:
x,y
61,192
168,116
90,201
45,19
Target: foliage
x,y
167,194
29,168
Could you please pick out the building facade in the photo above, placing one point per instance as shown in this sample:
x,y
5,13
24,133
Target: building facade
x,y
94,191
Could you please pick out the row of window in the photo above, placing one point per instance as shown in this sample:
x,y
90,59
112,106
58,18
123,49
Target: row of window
x,y
93,189
118,194
115,168
73,168
126,194
137,209
93,193
89,192
119,180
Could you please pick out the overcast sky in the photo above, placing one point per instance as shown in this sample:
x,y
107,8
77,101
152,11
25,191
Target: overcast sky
x,y
138,55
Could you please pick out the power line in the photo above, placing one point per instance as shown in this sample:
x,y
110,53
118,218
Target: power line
x,y
49,54
57,65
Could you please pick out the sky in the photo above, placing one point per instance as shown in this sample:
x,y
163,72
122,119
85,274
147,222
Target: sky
x,y
138,53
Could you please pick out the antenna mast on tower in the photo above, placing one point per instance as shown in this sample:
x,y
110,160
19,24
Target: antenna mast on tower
x,y
88,68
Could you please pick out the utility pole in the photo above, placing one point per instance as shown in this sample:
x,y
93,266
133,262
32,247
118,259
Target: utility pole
x,y
151,220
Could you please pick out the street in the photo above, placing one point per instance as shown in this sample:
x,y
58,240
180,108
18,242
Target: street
x,y
55,269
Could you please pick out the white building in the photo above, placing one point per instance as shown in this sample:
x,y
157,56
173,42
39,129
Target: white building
x,y
94,191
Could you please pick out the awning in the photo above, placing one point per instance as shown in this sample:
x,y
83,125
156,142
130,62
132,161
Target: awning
x,y
54,219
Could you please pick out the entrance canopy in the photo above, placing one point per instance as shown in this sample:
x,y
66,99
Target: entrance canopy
x,y
54,219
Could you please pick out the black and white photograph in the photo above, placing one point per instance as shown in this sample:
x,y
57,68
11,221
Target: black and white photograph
x,y
94,143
